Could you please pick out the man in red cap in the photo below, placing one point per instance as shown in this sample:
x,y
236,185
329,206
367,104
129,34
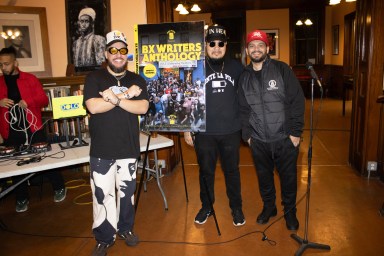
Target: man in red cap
x,y
272,115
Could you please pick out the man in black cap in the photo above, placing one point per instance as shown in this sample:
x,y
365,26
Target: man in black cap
x,y
222,136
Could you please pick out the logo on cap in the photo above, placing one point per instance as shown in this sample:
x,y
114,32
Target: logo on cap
x,y
116,36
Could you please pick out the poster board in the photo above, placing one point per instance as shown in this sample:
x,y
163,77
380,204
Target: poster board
x,y
171,59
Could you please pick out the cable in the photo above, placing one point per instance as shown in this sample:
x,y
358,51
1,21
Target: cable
x,y
273,243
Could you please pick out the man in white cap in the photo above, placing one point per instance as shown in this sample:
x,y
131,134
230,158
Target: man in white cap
x,y
114,98
88,49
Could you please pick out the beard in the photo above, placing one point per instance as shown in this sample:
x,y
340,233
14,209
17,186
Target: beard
x,y
117,69
216,61
10,73
260,59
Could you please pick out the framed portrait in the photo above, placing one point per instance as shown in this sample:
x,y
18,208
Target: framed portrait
x,y
25,29
335,39
88,21
273,38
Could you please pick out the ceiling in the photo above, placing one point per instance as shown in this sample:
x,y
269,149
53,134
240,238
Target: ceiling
x,y
230,5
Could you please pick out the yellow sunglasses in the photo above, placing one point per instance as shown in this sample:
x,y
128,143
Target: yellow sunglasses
x,y
114,50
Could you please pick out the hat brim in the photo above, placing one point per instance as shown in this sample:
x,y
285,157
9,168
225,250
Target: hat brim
x,y
216,37
115,41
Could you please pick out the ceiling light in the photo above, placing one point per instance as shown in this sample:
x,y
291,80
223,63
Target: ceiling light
x,y
350,1
195,8
179,7
333,2
184,12
299,23
308,22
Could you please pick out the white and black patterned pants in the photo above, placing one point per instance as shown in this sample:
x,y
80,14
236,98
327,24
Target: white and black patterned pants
x,y
113,184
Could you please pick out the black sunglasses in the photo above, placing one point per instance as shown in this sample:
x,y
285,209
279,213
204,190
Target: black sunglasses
x,y
114,50
213,44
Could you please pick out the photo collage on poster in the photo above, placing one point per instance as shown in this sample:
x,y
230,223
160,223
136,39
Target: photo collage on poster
x,y
170,57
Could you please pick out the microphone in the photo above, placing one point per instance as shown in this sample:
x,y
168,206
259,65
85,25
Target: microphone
x,y
309,66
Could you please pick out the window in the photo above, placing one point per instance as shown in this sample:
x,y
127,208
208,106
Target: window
x,y
306,39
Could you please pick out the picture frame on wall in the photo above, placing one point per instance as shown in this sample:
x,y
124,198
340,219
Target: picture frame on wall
x,y
273,38
25,29
88,21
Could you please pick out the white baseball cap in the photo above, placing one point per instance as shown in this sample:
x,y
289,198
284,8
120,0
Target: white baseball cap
x,y
116,36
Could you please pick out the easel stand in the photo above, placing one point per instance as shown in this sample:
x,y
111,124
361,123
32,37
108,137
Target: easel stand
x,y
208,195
182,166
80,142
145,164
304,241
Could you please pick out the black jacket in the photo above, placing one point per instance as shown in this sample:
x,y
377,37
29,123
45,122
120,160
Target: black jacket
x,y
273,109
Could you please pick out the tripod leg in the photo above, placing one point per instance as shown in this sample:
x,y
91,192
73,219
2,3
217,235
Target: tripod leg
x,y
182,166
211,205
305,244
208,195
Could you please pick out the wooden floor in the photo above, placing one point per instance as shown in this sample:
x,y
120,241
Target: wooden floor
x,y
343,210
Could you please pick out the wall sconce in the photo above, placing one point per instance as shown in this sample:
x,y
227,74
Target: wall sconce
x,y
182,9
10,34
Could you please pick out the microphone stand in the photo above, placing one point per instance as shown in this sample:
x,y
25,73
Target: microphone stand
x,y
304,241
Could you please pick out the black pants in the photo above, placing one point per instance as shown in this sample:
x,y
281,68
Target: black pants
x,y
282,154
54,177
208,148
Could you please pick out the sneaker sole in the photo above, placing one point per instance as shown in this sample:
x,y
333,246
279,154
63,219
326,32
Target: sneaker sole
x,y
239,224
202,222
22,210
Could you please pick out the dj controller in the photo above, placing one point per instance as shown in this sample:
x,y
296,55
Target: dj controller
x,y
24,150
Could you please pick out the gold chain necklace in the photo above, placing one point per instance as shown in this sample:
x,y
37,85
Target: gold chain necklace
x,y
222,67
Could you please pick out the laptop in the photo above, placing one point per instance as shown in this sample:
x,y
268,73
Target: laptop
x,y
70,106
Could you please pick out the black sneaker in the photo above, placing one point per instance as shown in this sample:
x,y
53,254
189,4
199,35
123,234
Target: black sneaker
x,y
203,215
22,205
101,249
238,217
130,238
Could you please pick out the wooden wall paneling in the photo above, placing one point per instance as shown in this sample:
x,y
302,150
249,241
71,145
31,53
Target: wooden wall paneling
x,y
377,81
368,84
359,124
159,11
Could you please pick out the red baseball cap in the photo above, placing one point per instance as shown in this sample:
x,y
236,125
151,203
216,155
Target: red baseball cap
x,y
257,35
